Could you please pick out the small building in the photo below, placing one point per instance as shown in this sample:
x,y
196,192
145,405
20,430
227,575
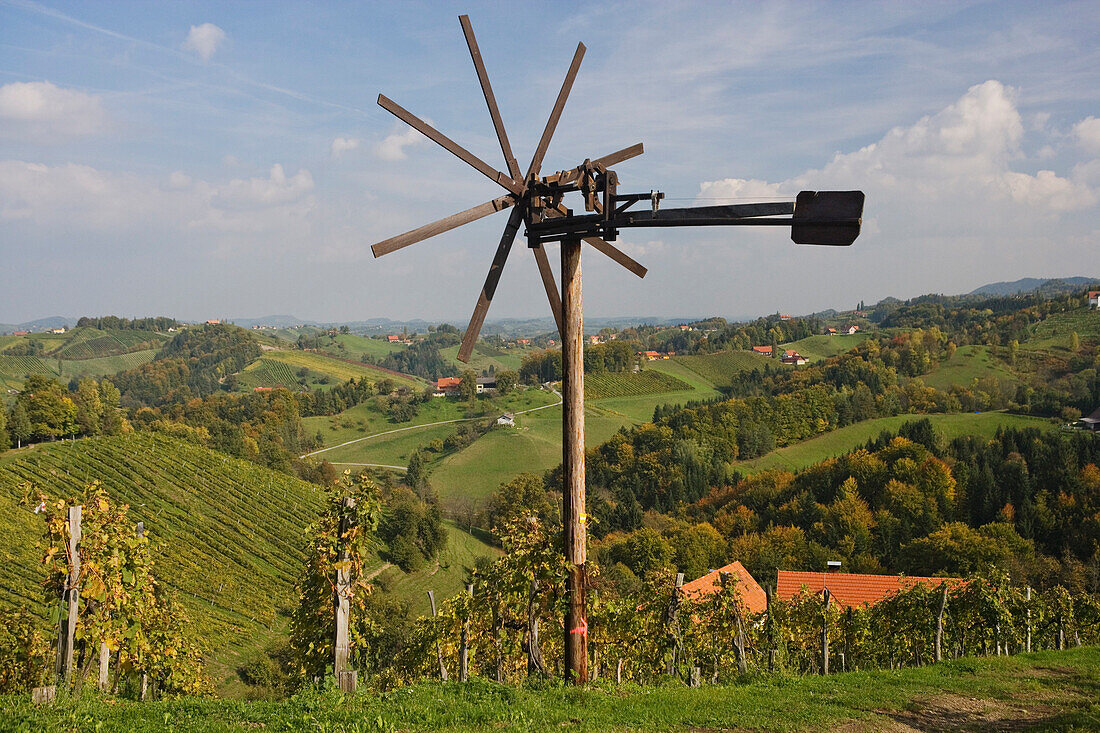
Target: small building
x,y
784,317
1094,299
852,330
486,384
762,350
1091,423
852,589
19,333
831,331
445,386
508,420
262,389
393,339
61,329
213,321
792,357
651,355
593,340
752,596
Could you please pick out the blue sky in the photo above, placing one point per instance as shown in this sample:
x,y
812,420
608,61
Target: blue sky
x,y
228,159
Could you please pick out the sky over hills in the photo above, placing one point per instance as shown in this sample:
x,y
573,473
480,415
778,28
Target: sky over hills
x,y
203,158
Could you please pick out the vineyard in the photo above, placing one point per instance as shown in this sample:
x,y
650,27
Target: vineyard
x,y
625,384
226,533
268,373
722,368
14,369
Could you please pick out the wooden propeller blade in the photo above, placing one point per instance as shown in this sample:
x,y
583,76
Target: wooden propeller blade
x,y
555,114
618,255
448,144
490,287
606,161
490,99
606,247
443,225
547,275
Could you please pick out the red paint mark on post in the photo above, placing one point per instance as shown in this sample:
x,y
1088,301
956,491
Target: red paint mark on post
x,y
582,629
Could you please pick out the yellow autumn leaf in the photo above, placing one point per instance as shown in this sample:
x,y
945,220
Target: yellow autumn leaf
x,y
102,504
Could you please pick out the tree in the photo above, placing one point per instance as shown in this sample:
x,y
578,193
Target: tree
x,y
51,411
507,381
5,441
1074,341
89,407
468,386
415,475
20,425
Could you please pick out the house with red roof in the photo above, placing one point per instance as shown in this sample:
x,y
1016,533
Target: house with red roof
x,y
753,598
852,589
1094,299
792,357
764,350
651,355
446,386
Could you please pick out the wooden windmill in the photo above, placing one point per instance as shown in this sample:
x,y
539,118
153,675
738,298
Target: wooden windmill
x,y
536,201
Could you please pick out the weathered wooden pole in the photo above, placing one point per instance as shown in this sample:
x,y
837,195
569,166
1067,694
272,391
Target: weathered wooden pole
x,y
144,675
573,498
1029,618
342,602
939,625
464,644
770,628
438,643
72,598
825,634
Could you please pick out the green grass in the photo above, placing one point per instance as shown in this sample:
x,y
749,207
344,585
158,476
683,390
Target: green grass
x,y
15,369
355,347
227,534
721,369
446,579
1043,691
967,364
282,367
816,348
485,356
838,442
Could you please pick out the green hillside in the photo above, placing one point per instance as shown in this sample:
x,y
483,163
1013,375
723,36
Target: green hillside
x,y
967,364
837,442
445,578
285,368
485,356
1056,331
722,368
816,348
628,384
227,534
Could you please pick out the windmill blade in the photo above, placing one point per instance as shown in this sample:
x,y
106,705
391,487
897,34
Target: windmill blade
x,y
490,287
551,287
490,99
448,144
564,177
555,114
618,255
443,225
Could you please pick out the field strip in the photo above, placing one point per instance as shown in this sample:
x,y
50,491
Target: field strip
x,y
371,465
426,425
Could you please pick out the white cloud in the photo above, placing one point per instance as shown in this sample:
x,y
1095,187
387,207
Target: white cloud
x,y
204,40
1087,132
258,193
344,144
42,112
393,147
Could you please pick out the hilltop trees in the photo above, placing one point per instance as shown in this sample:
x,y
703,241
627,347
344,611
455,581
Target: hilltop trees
x,y
48,407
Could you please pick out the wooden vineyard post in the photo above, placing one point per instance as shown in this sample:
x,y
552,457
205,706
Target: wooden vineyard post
x,y
463,647
72,598
771,627
144,675
438,644
939,625
342,601
1029,619
104,666
573,498
825,634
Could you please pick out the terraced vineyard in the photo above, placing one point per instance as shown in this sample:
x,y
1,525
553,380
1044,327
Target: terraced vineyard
x,y
227,534
627,384
282,367
14,369
268,373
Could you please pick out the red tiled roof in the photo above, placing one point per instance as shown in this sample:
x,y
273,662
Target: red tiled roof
x,y
445,382
762,349
753,597
1094,293
851,589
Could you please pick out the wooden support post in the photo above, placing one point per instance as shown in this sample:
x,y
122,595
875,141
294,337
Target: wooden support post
x,y
1029,619
438,644
771,627
104,666
144,675
574,518
463,647
939,625
825,634
72,598
672,626
342,599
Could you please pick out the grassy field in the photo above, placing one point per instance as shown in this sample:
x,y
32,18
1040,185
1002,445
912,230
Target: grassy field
x,y
631,384
841,441
1039,691
816,348
967,364
227,534
352,346
485,356
446,579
